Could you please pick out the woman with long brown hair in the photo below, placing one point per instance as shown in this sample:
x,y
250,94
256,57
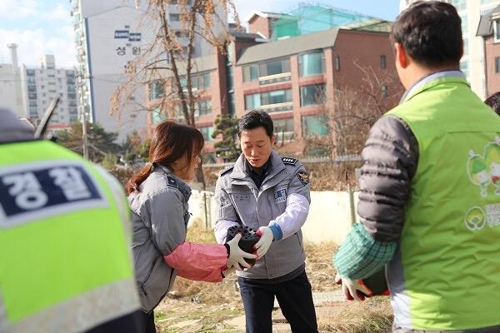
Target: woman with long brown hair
x,y
158,196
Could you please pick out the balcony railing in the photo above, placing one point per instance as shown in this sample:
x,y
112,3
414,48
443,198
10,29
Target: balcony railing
x,y
275,78
278,107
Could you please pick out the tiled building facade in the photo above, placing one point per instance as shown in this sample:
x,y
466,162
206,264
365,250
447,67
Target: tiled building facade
x,y
292,79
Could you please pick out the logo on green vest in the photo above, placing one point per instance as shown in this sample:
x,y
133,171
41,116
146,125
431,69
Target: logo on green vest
x,y
475,218
484,171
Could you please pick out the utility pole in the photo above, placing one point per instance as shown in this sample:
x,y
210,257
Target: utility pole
x,y
85,144
83,116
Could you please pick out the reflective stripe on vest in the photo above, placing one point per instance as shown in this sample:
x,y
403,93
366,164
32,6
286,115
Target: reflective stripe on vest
x,y
77,314
62,241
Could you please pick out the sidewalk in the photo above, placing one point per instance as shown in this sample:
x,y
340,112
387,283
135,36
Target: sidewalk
x,y
280,324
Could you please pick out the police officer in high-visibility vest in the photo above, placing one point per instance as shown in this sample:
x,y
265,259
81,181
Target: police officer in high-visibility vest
x,y
65,264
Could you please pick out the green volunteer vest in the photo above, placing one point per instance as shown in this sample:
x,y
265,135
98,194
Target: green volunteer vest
x,y
69,248
450,258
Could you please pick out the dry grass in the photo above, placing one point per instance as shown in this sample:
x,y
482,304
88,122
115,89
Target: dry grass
x,y
201,307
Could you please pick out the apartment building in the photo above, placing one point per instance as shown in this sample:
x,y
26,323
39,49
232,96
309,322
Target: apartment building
x,y
285,78
473,60
29,90
41,85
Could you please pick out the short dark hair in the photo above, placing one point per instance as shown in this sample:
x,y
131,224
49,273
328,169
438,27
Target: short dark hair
x,y
254,119
494,102
431,33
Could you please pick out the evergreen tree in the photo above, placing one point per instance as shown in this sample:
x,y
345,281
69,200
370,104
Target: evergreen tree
x,y
100,143
228,147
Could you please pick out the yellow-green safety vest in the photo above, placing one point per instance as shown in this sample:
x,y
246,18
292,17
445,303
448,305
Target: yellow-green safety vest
x,y
448,268
65,264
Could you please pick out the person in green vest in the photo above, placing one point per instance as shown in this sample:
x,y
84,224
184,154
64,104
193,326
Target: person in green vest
x,y
65,233
428,205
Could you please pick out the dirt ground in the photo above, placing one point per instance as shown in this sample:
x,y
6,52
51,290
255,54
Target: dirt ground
x,y
208,307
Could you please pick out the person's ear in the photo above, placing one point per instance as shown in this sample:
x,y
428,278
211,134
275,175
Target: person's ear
x,y
273,140
401,55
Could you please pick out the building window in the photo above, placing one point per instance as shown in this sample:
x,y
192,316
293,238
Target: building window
x,y
250,73
497,64
274,67
314,126
181,34
337,62
257,101
311,63
33,112
201,81
174,17
157,116
496,29
156,90
207,133
284,129
198,81
383,61
313,94
384,90
204,107
252,101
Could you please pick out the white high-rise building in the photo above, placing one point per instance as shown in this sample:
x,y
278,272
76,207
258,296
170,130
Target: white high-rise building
x,y
109,34
41,85
29,90
472,63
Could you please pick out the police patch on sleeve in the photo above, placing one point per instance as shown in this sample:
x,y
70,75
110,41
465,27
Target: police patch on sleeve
x,y
303,177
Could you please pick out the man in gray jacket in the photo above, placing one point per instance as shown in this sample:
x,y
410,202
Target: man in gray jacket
x,y
270,194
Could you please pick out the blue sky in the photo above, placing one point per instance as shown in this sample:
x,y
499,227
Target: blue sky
x,y
44,26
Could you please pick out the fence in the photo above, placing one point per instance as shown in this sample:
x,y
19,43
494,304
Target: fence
x,y
331,214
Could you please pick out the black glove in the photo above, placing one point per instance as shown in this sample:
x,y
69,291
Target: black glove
x,y
248,239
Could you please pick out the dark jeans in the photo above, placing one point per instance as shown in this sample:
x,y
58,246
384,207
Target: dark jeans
x,y
126,324
148,322
294,298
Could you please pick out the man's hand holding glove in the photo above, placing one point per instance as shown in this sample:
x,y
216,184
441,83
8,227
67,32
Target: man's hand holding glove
x,y
236,256
353,289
